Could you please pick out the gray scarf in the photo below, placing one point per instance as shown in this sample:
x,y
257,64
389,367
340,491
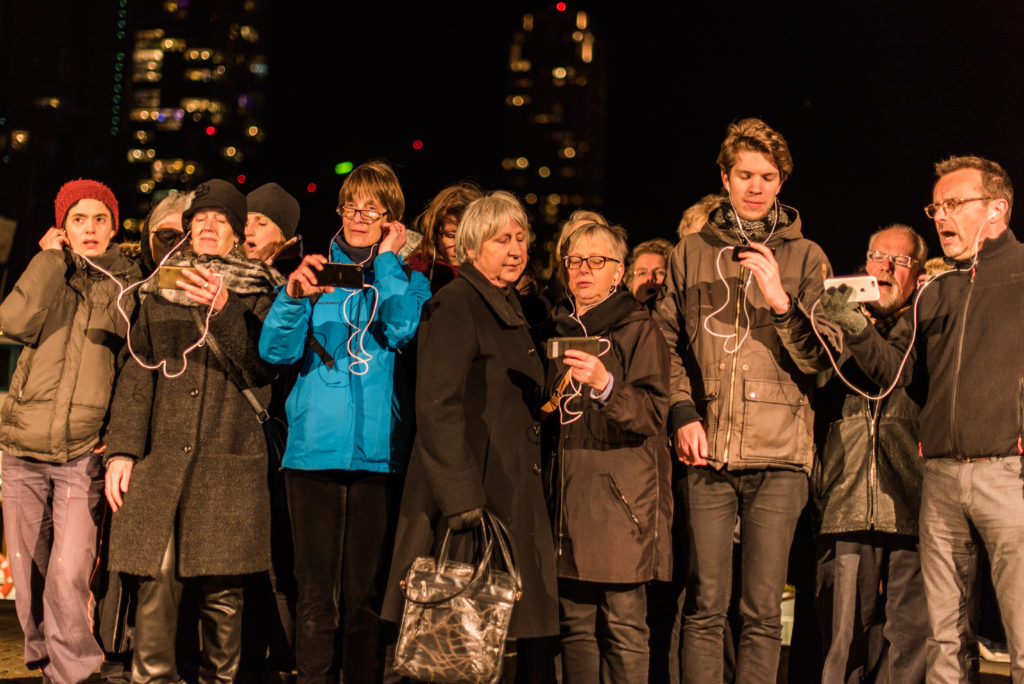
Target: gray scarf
x,y
241,275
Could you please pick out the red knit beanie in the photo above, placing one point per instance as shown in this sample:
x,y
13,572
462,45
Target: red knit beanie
x,y
81,189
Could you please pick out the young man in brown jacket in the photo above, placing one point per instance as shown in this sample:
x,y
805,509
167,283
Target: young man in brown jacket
x,y
743,363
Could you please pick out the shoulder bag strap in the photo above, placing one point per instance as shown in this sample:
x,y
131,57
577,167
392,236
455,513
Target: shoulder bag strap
x,y
261,412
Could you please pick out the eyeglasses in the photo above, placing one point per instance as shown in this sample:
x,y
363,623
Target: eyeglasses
x,y
594,263
898,259
950,205
369,215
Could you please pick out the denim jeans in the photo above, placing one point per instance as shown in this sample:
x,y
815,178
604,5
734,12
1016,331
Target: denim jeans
x,y
965,505
343,530
865,634
52,514
769,502
603,632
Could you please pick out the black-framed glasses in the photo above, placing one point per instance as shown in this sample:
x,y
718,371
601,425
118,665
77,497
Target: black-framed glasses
x,y
950,205
594,263
369,215
898,259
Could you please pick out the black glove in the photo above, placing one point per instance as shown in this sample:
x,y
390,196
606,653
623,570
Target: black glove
x,y
465,520
837,307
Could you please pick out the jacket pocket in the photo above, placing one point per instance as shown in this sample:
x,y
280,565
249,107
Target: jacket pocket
x,y
627,507
775,422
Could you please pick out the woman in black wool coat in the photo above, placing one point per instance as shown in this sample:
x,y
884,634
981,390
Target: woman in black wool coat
x,y
187,463
478,390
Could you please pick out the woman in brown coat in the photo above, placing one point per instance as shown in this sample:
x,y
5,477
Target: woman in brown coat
x,y
612,483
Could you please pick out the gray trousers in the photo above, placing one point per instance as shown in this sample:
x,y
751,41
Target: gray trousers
x,y
965,505
871,634
52,515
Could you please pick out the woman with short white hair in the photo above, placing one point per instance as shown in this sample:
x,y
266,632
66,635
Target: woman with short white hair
x,y
478,390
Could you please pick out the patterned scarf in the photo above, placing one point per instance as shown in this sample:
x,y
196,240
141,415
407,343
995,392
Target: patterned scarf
x,y
241,275
757,230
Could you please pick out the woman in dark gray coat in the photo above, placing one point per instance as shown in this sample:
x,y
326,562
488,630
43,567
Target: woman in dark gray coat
x,y
478,388
187,471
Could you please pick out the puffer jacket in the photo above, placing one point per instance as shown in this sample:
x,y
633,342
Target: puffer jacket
x,y
612,472
65,314
968,348
755,401
868,474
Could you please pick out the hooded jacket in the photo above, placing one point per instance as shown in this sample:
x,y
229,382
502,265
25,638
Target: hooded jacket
x,y
357,415
65,313
755,401
968,347
612,474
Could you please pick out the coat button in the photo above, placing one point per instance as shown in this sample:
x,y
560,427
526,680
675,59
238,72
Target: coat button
x,y
535,428
194,392
531,351
753,395
746,367
536,468
187,448
721,366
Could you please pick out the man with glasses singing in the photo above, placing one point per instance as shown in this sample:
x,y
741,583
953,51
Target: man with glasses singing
x,y
967,346
743,363
867,488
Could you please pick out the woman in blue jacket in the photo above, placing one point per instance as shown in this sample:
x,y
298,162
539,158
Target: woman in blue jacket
x,y
350,423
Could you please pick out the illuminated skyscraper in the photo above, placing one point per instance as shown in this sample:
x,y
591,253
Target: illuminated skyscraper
x,y
556,115
197,79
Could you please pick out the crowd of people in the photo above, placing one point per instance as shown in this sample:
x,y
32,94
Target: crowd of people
x,y
249,443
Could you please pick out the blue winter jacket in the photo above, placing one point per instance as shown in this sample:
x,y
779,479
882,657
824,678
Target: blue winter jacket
x,y
360,414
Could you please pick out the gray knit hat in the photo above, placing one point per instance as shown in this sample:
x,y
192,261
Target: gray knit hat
x,y
276,204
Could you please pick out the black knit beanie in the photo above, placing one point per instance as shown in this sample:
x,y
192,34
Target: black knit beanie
x,y
219,195
276,204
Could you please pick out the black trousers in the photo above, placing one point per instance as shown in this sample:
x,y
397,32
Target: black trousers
x,y
343,530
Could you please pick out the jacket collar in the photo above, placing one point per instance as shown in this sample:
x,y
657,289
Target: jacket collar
x,y
610,313
990,247
503,301
790,231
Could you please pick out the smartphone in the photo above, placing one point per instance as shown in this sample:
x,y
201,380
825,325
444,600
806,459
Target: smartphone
x,y
341,275
557,346
865,287
169,275
738,252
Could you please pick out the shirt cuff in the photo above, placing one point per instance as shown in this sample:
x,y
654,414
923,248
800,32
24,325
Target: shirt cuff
x,y
603,397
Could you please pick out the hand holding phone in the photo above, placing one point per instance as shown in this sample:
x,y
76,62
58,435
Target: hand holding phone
x,y
557,346
337,274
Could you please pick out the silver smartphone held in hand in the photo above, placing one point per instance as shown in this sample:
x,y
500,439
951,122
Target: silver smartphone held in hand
x,y
865,287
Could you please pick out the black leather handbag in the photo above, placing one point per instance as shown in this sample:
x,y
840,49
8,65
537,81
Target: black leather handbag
x,y
456,615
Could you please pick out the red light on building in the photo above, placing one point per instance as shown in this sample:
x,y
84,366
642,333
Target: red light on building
x,y
417,144
311,187
241,178
210,130
560,6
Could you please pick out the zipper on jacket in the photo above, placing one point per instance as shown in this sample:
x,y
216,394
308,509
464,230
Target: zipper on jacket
x,y
625,502
560,532
1020,426
732,370
873,414
953,434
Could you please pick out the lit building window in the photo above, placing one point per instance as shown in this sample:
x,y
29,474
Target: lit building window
x,y
527,22
543,172
587,49
522,163
558,72
19,139
581,20
531,198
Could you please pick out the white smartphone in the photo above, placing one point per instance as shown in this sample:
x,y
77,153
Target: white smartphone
x,y
865,287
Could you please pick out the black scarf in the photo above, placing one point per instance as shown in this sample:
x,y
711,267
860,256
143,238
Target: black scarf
x,y
242,275
363,256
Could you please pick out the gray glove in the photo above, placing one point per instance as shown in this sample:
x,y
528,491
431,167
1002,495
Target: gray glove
x,y
465,520
837,307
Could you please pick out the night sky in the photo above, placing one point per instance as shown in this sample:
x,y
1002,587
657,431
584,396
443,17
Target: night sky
x,y
869,95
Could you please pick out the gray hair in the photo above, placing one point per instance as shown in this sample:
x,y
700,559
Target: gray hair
x,y
175,203
483,219
920,246
615,235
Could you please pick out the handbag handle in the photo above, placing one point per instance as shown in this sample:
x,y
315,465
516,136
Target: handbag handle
x,y
498,532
